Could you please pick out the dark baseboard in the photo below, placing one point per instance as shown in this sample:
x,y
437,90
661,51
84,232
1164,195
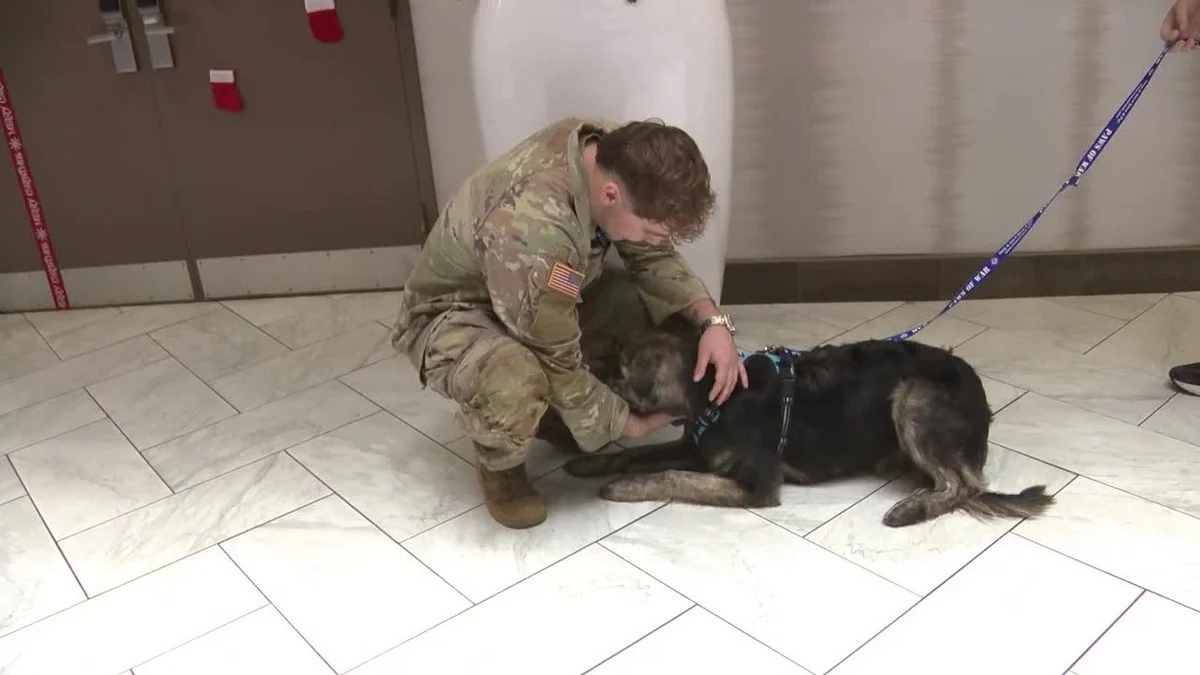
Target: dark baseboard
x,y
918,278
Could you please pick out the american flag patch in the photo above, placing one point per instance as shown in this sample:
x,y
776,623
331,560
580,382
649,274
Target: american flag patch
x,y
565,280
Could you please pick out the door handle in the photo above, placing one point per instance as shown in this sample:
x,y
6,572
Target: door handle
x,y
158,34
117,36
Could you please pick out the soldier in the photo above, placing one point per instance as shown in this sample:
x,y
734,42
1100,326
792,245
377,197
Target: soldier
x,y
510,307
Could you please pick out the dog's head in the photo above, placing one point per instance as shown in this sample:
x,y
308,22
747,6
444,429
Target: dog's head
x,y
654,374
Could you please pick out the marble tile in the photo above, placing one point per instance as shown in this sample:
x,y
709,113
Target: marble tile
x,y
947,331
1153,466
1031,611
209,452
217,343
762,325
350,590
697,642
1124,535
1178,418
332,316
258,643
1123,307
261,311
999,394
807,507
22,349
1039,319
404,482
53,323
763,580
35,581
393,385
582,610
922,556
159,402
136,622
81,371
845,315
10,485
481,558
170,529
305,367
85,477
1114,390
25,426
541,460
132,321
1154,636
1166,335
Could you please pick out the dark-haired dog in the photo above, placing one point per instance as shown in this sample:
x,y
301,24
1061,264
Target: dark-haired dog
x,y
865,407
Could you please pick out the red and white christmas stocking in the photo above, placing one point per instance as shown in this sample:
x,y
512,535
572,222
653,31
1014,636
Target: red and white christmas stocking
x,y
323,20
224,90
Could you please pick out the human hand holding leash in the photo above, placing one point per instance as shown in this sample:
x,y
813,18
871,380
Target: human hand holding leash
x,y
1181,24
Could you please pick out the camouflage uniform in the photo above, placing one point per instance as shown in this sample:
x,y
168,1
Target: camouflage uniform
x,y
487,325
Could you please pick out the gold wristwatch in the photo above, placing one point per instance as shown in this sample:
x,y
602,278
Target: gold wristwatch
x,y
719,320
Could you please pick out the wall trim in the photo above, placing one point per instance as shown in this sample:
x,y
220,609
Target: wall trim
x,y
100,286
311,272
921,278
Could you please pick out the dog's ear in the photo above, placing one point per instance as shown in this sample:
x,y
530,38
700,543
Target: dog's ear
x,y
761,370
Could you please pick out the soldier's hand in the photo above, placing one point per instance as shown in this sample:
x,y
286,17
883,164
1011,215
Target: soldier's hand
x,y
718,348
637,426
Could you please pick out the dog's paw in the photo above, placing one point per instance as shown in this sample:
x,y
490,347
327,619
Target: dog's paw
x,y
631,489
904,513
590,466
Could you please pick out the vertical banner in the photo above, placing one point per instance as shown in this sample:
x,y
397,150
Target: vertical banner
x,y
28,189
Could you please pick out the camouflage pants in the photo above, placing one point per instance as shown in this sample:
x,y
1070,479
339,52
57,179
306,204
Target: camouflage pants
x,y
498,382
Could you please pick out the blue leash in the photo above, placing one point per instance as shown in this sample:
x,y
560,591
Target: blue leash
x,y
782,356
1085,163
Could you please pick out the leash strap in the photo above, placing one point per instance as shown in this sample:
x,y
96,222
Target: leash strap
x,y
1085,163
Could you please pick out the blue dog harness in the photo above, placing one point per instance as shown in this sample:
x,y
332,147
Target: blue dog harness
x,y
785,364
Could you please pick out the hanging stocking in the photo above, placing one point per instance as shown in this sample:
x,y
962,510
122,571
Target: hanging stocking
x,y
323,20
224,90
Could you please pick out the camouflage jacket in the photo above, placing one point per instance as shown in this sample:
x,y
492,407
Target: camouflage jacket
x,y
501,244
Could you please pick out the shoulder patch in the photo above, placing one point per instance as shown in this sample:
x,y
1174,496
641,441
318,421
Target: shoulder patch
x,y
565,279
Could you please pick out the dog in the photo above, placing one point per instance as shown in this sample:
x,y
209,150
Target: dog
x,y
872,406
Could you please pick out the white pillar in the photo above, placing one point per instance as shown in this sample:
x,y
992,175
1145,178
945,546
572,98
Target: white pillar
x,y
538,61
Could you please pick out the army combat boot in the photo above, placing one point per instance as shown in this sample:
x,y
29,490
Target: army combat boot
x,y
510,498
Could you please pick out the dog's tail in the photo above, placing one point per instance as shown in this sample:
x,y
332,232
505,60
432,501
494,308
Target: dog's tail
x,y
1029,503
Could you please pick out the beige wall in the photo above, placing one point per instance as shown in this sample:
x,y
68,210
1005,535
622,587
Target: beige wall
x,y
924,126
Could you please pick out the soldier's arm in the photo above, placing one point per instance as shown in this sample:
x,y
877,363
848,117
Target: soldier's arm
x,y
666,282
521,244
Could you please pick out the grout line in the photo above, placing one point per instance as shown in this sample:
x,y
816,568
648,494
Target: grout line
x,y
1080,474
1125,325
695,603
467,609
920,599
1105,631
217,628
1155,412
57,545
272,604
199,379
821,548
627,647
377,527
141,456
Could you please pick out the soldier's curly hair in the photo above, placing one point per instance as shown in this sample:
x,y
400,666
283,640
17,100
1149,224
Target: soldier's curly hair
x,y
663,172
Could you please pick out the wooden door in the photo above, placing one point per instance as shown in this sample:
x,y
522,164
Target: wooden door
x,y
93,141
322,181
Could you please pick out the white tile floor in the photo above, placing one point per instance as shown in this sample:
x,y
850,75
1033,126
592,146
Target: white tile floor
x,y
261,487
